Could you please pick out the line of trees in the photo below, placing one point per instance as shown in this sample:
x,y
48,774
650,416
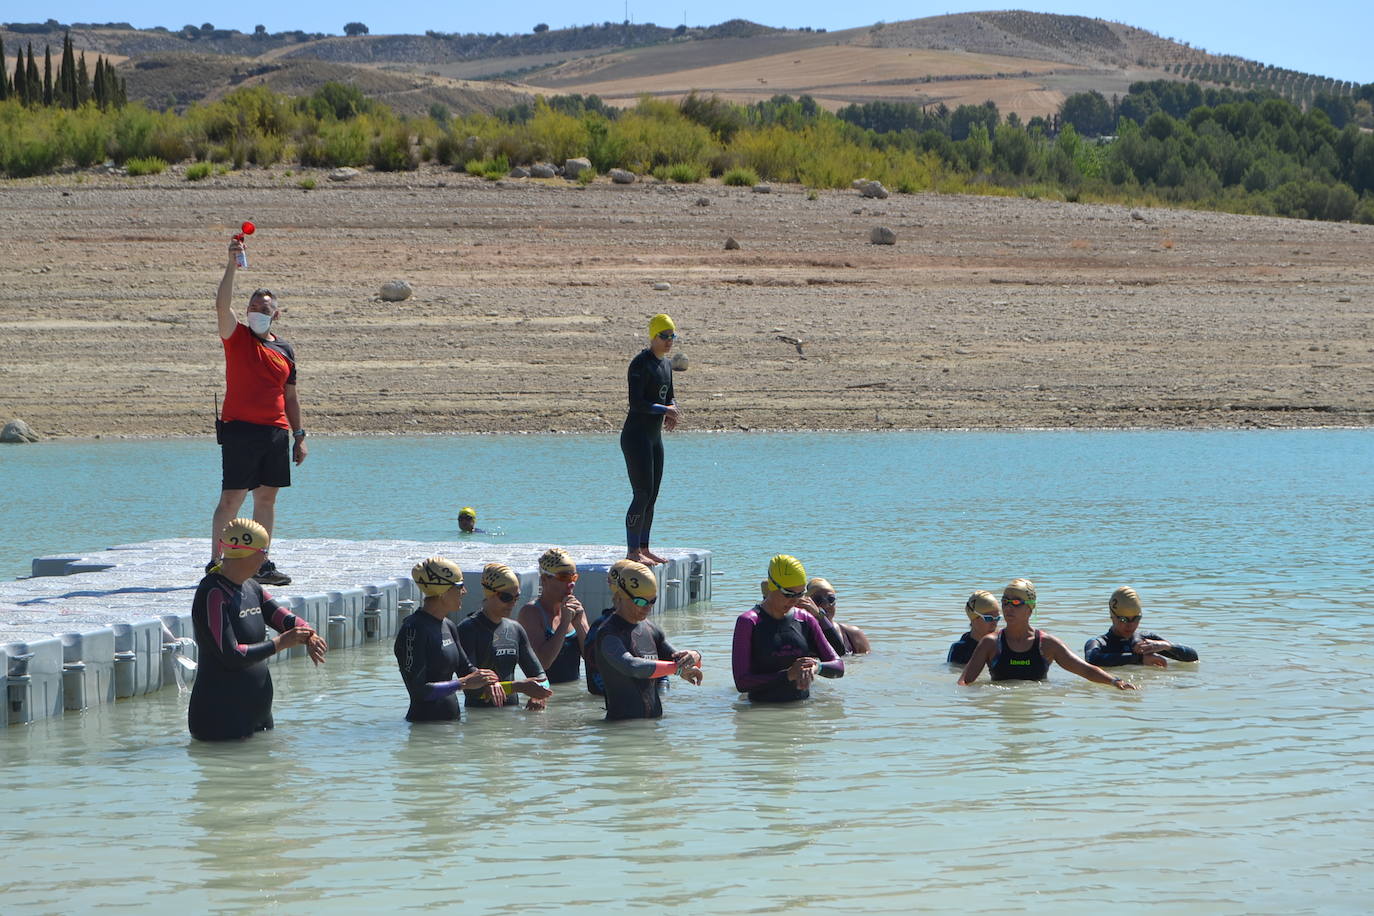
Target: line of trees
x,y
73,86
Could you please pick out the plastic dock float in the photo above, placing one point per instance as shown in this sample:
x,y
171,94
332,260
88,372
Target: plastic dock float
x,y
88,630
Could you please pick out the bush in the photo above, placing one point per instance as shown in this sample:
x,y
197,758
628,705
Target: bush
x,y
198,171
306,184
491,169
148,166
586,177
681,172
391,152
740,178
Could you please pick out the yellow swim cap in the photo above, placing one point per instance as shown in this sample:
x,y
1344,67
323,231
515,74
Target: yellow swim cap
x,y
634,579
556,560
786,571
980,603
1020,588
436,576
467,512
1125,602
243,537
497,577
660,323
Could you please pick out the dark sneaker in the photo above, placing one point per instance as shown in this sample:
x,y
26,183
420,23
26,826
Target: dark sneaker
x,y
212,567
269,575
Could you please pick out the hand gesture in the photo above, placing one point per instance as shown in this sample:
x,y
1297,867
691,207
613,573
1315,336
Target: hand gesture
x,y
802,672
235,246
298,635
670,417
691,674
573,609
316,648
1154,661
534,690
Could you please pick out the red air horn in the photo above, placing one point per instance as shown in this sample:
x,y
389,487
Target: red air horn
x,y
241,256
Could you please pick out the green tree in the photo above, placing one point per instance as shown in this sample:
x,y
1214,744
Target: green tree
x,y
4,74
47,76
354,28
66,74
1088,112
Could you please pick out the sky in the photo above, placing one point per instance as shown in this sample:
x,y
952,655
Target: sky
x,y
1326,37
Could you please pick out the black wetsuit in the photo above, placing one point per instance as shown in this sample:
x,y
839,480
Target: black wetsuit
x,y
1007,665
961,651
626,654
1110,650
232,695
497,647
764,649
596,686
428,651
641,440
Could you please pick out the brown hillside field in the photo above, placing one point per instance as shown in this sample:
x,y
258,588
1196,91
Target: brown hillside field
x,y
532,296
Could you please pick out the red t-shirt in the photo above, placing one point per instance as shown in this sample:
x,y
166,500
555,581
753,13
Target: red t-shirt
x,y
256,373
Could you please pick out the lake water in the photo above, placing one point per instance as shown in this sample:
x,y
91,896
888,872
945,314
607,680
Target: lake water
x,y
1240,784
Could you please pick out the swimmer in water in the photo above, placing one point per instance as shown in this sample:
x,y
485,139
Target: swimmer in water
x,y
652,409
1020,653
596,686
555,621
491,640
467,521
820,600
633,655
1124,644
778,650
433,664
232,695
984,613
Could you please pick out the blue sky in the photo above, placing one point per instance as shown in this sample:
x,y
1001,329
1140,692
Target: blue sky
x,y
1326,37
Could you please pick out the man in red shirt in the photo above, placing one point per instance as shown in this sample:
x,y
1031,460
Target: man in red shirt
x,y
260,430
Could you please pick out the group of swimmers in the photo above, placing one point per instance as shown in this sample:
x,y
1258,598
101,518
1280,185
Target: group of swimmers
x,y
780,646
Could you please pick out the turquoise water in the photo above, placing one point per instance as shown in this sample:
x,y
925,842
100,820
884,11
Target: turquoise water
x,y
1240,784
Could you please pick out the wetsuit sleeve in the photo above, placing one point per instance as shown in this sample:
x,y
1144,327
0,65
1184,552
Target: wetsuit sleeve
x,y
278,617
231,653
1096,652
529,662
832,634
665,648
831,664
740,659
1175,651
618,657
638,377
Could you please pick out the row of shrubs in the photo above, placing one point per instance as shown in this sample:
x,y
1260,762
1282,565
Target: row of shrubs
x,y
1205,161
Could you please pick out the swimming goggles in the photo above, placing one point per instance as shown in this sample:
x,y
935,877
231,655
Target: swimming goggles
x,y
823,599
1017,602
1120,619
508,597
667,335
787,592
641,602
990,618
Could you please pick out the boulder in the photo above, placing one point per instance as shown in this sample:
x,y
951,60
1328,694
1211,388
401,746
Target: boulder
x,y
881,235
703,202
622,176
542,170
731,244
17,431
519,172
1137,215
762,189
663,285
396,291
574,167
344,173
873,189
858,183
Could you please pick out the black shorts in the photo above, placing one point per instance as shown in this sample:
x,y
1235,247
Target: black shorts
x,y
254,456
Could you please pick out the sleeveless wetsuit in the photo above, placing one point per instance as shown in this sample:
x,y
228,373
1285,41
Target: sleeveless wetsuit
x,y
961,651
1110,650
566,665
1007,665
427,651
765,647
641,440
232,695
628,657
498,647
596,685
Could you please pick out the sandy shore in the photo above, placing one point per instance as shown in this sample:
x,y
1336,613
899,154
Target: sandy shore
x,y
531,297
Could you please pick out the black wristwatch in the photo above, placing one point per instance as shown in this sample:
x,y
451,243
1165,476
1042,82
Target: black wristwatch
x,y
299,434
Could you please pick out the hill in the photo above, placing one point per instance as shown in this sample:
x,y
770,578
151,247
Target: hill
x,y
1024,62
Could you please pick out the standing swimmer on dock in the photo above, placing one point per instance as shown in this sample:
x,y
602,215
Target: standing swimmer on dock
x,y
260,412
492,640
652,410
1019,653
433,664
633,655
232,695
555,621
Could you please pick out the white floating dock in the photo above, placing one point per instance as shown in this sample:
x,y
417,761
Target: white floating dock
x,y
86,630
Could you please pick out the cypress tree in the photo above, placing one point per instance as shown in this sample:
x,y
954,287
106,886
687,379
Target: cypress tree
x,y
47,75
4,74
98,88
33,83
83,81
19,82
66,74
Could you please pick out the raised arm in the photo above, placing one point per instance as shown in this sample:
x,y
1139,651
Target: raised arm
x,y
224,311
545,646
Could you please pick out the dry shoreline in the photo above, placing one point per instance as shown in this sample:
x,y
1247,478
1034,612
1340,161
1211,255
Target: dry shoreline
x,y
531,298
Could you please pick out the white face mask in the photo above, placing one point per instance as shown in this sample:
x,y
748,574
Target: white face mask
x,y
259,323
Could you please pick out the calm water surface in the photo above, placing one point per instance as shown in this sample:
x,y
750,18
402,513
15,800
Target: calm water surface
x,y
1241,784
